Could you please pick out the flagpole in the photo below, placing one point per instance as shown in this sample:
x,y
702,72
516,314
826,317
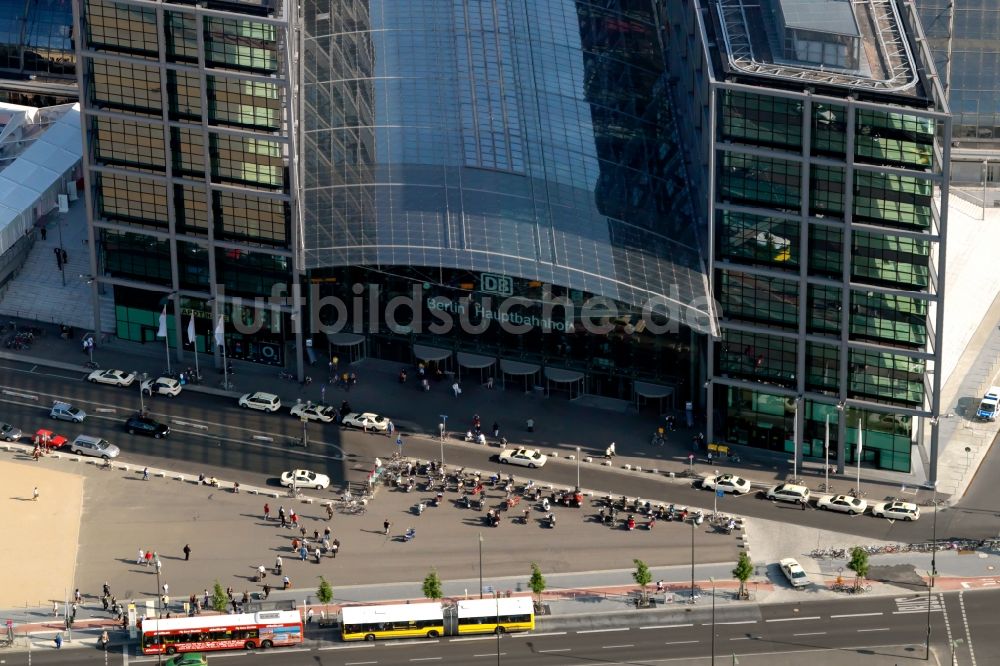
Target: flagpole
x,y
194,343
860,446
166,341
826,448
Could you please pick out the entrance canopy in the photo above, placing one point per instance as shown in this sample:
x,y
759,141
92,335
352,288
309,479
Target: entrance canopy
x,y
345,339
518,368
431,354
561,376
474,361
653,391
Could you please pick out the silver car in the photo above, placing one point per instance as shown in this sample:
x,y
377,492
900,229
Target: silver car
x,y
9,433
67,412
85,445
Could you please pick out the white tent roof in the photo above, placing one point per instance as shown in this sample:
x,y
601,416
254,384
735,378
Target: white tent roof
x,y
52,155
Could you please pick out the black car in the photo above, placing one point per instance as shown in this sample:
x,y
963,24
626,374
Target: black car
x,y
143,425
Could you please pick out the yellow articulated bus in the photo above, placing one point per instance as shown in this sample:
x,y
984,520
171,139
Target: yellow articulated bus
x,y
487,616
431,620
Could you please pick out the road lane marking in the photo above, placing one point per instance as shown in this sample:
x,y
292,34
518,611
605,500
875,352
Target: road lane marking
x,y
602,631
556,650
106,410
348,647
425,659
551,633
666,626
189,425
812,633
734,622
875,629
680,642
857,615
471,638
794,619
968,632
614,647
17,394
358,663
486,654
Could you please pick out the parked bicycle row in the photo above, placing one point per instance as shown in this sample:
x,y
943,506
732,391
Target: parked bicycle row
x,y
924,547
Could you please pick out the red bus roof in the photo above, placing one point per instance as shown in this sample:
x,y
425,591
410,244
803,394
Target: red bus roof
x,y
152,625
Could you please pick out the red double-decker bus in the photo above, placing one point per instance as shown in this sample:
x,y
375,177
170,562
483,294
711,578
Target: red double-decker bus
x,y
202,633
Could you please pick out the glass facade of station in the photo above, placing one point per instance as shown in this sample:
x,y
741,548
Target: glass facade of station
x,y
187,162
36,46
825,246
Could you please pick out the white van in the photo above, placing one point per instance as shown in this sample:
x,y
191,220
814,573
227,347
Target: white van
x,y
789,492
85,445
988,407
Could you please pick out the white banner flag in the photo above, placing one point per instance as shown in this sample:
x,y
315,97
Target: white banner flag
x,y
191,330
220,334
860,440
162,332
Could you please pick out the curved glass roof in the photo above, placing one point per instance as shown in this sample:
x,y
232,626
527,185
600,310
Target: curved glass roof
x,y
530,139
36,38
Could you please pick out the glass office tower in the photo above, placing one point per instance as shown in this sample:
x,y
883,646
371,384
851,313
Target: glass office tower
x,y
821,135
964,37
37,53
488,149
188,119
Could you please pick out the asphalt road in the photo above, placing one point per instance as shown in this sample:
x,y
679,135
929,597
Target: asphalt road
x,y
211,435
824,632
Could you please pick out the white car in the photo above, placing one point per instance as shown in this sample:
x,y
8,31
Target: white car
x,y
728,483
367,421
307,410
794,572
161,386
842,503
788,492
265,402
113,377
896,510
525,457
304,478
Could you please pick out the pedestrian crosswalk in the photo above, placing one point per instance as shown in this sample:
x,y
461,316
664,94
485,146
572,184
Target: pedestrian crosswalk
x,y
918,604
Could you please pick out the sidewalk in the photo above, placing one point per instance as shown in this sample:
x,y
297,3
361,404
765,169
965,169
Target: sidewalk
x,y
560,424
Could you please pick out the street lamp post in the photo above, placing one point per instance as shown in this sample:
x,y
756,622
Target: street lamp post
x,y
933,571
480,566
713,620
142,402
692,561
578,468
444,430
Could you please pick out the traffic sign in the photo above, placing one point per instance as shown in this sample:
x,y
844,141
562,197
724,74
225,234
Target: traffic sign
x,y
399,441
719,492
487,589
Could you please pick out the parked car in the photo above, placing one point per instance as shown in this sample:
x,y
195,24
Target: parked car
x,y
112,377
64,411
188,659
367,420
788,492
896,510
9,433
794,572
728,483
842,503
85,445
167,386
322,413
265,402
524,457
143,425
304,478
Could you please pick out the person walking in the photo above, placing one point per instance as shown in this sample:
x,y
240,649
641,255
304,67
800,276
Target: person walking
x,y
334,547
64,256
390,427
385,526
309,616
159,565
317,554
187,552
456,389
496,430
266,590
34,494
77,597
531,425
145,474
44,232
267,511
148,558
55,609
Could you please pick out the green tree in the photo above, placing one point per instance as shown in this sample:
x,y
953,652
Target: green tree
x,y
324,593
859,565
742,573
219,599
432,585
642,577
537,584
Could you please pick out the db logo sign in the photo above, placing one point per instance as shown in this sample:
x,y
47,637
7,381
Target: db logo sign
x,y
501,285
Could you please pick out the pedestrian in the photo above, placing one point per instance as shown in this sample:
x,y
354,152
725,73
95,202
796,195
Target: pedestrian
x,y
267,511
77,597
295,517
531,425
709,457
159,565
385,525
489,382
55,609
44,232
329,512
326,533
456,389
59,261
334,547
303,553
803,503
145,474
496,430
246,597
58,640
309,616
74,608
104,601
389,428
236,608
261,573
65,258
267,590
34,494
36,453
286,583
166,588
187,552
107,589
148,558
204,599
317,555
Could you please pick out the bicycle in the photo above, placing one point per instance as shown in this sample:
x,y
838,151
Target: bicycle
x,y
93,365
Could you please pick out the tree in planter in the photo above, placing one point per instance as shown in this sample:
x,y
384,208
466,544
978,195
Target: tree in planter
x,y
219,599
859,565
432,585
642,577
537,584
325,594
742,573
